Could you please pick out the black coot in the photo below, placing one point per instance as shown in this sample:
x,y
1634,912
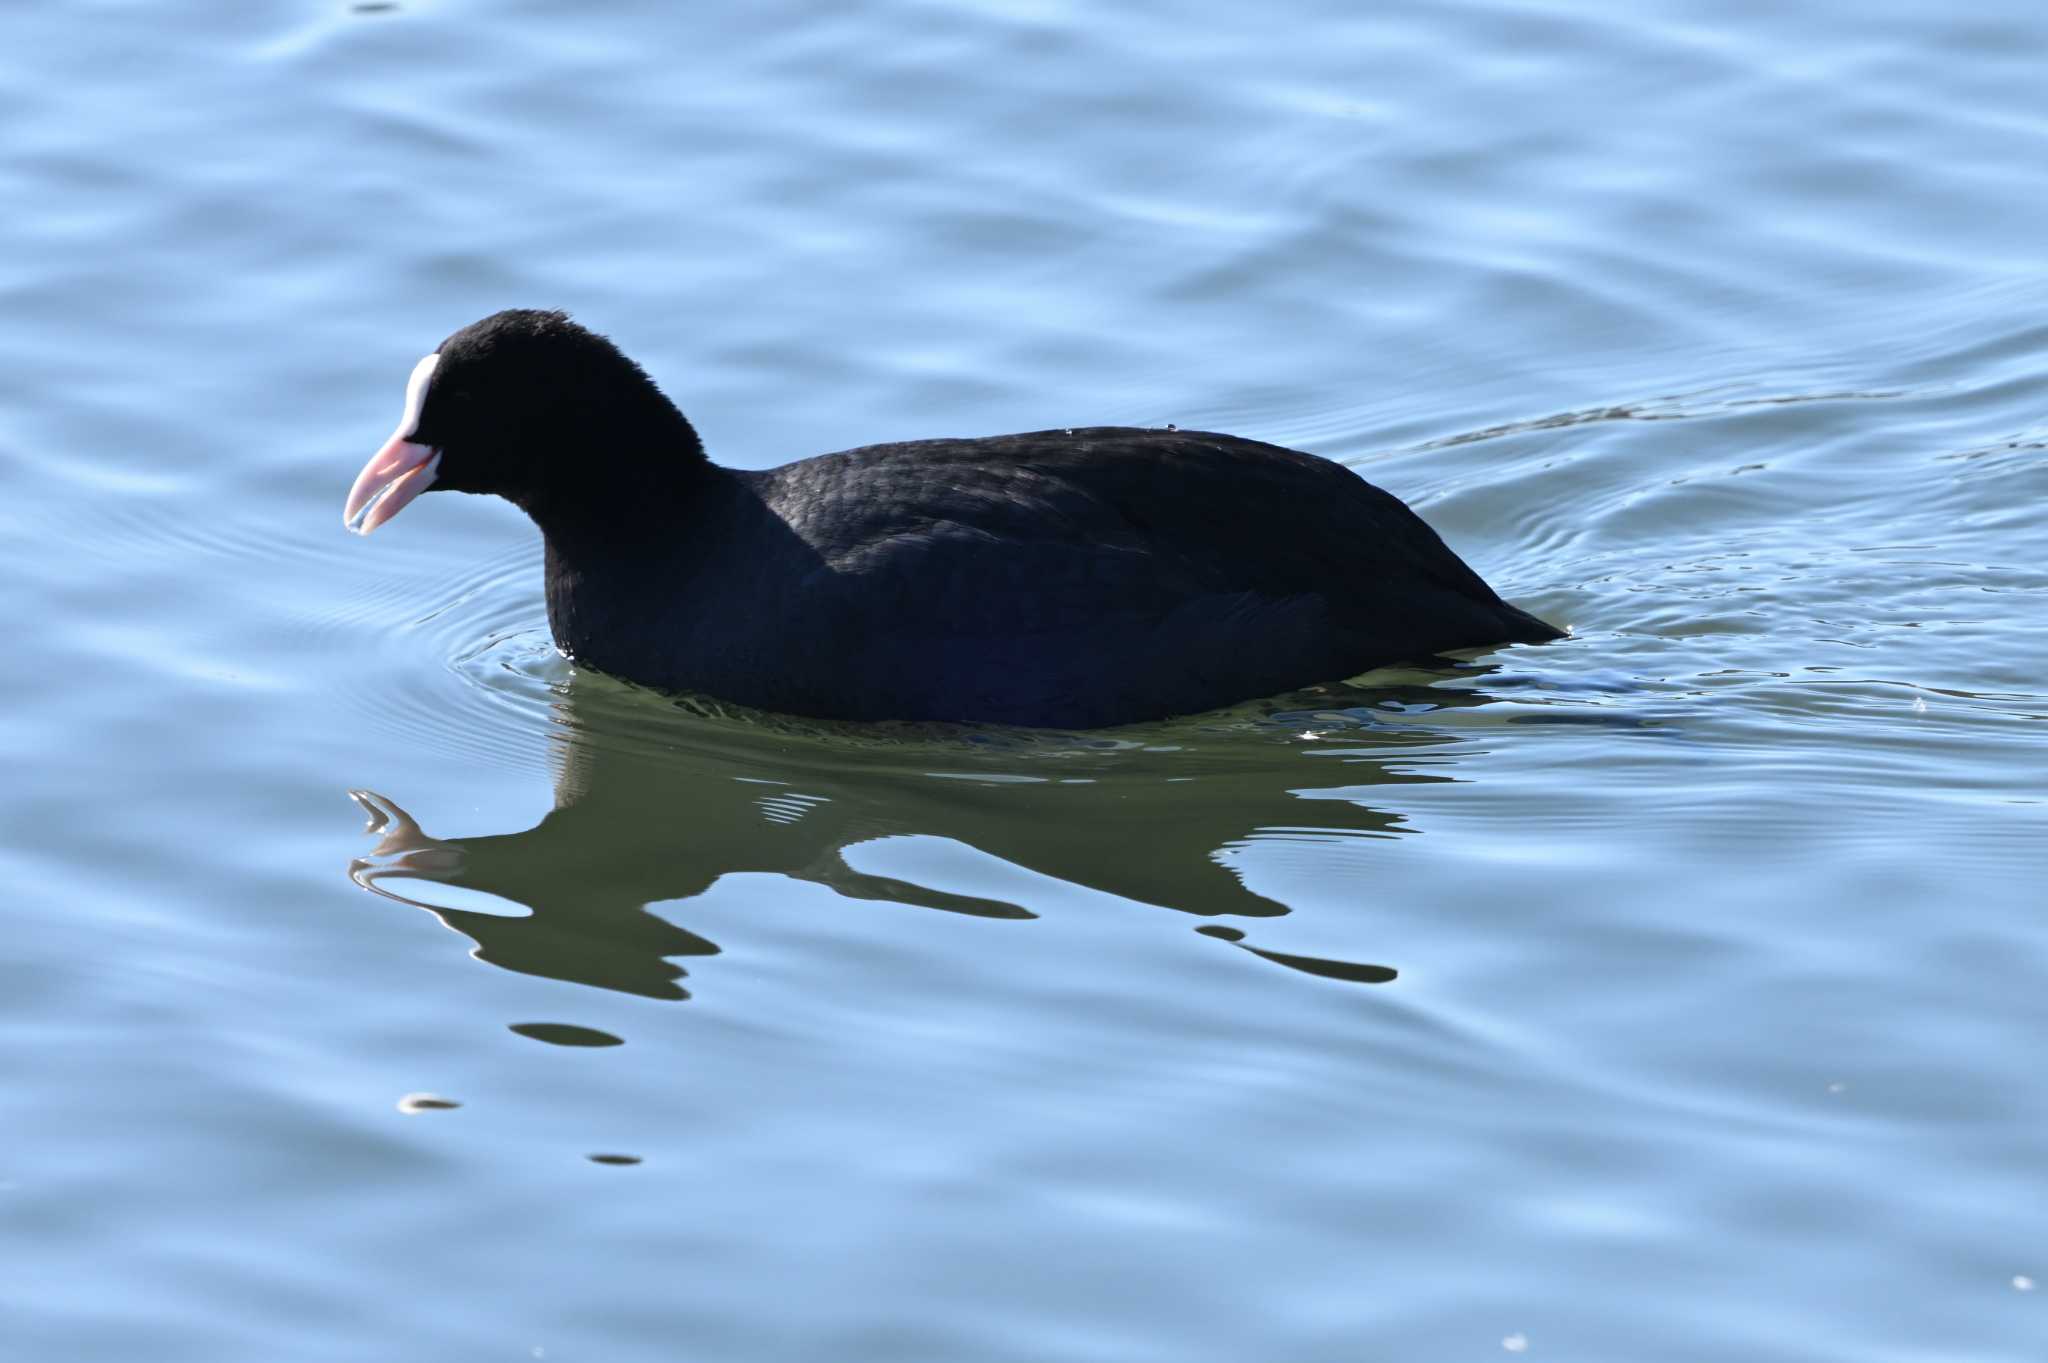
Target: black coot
x,y
1071,578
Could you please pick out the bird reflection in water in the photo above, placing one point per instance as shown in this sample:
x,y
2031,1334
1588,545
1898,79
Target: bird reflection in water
x,y
656,800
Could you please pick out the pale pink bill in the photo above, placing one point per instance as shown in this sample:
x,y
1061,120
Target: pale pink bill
x,y
402,469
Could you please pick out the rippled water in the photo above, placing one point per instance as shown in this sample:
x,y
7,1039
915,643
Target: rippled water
x,y
1675,991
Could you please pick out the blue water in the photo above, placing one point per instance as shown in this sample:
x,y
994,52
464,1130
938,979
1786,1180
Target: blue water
x,y
1673,992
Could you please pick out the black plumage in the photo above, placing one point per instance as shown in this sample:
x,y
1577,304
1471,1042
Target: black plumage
x,y
1070,578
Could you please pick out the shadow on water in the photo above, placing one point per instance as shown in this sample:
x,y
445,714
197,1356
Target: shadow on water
x,y
656,799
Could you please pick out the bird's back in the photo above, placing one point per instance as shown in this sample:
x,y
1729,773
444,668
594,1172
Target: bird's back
x,y
1102,574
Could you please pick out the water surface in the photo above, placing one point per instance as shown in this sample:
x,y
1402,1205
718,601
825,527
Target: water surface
x,y
1674,991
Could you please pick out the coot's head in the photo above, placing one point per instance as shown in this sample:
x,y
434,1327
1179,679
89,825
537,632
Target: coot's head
x,y
532,407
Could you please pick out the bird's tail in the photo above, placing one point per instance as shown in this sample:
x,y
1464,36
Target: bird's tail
x,y
1524,628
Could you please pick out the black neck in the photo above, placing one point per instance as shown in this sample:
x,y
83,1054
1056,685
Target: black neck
x,y
618,546
639,472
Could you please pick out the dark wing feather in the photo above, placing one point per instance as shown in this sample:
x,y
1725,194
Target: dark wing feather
x,y
1113,520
